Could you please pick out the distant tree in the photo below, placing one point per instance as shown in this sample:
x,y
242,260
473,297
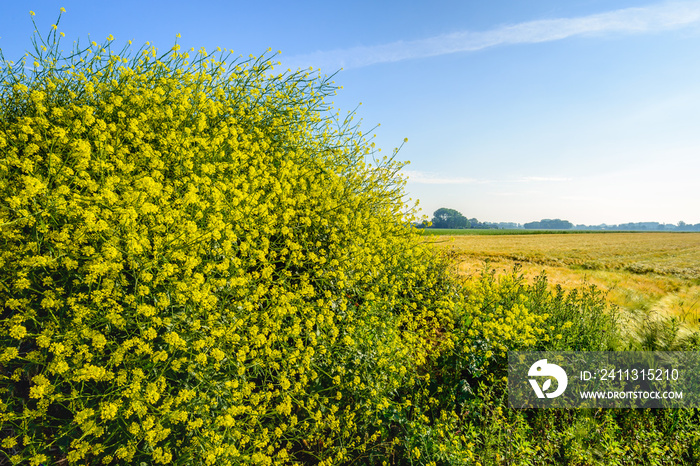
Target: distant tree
x,y
474,223
549,224
449,218
506,225
562,225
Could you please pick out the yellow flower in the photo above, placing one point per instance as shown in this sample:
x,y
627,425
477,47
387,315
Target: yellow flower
x,y
218,355
109,411
9,442
18,332
41,387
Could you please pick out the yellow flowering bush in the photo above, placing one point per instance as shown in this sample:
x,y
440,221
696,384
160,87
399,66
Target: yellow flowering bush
x,y
505,313
201,264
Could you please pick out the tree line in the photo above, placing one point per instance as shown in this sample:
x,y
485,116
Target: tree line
x,y
453,219
450,218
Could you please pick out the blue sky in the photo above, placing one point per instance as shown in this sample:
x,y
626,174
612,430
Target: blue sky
x,y
585,110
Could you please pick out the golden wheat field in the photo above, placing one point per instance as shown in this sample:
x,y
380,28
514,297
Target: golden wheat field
x,y
654,274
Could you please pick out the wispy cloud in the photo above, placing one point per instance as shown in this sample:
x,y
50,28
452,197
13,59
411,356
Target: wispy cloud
x,y
653,18
436,178
544,178
432,178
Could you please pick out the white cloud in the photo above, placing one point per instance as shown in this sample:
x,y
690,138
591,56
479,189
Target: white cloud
x,y
654,18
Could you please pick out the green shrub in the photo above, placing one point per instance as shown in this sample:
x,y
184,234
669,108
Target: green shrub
x,y
469,390
578,320
200,265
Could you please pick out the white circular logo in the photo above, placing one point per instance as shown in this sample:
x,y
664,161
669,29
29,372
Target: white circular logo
x,y
542,369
